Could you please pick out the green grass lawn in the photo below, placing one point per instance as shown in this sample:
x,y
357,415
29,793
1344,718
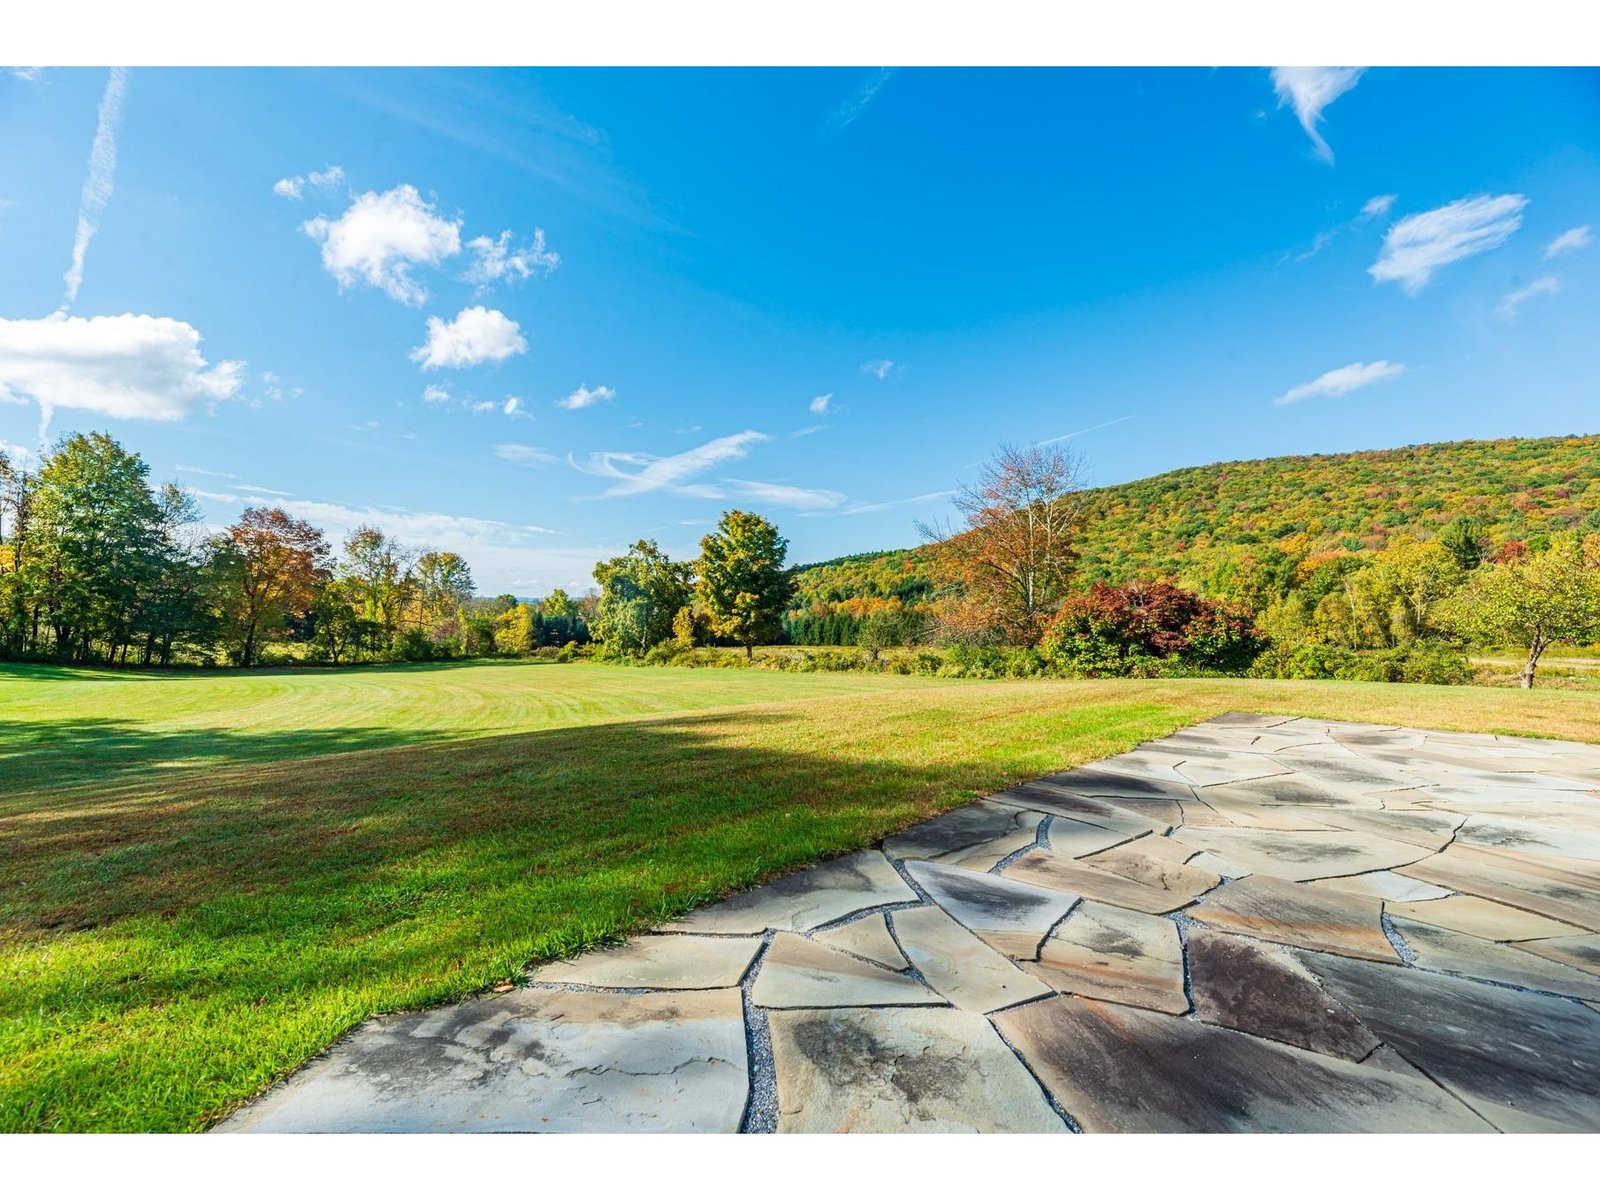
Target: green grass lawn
x,y
207,878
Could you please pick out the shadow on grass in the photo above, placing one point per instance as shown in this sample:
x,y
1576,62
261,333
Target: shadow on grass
x,y
64,754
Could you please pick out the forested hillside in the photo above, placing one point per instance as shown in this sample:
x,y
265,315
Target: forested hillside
x,y
1198,523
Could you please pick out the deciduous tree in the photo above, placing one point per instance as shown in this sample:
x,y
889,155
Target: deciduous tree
x,y
640,592
743,585
1013,557
1535,601
274,567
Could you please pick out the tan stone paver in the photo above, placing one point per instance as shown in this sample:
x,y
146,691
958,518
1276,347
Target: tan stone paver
x,y
868,937
1113,953
919,1070
1261,923
801,973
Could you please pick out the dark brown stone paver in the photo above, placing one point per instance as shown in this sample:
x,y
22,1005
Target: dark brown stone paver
x,y
1125,1070
1261,923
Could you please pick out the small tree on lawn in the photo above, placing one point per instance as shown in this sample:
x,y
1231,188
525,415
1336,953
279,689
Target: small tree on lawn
x,y
744,587
1534,601
640,593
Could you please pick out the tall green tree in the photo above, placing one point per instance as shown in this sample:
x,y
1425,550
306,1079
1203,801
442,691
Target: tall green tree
x,y
640,592
92,545
1549,597
1464,539
743,585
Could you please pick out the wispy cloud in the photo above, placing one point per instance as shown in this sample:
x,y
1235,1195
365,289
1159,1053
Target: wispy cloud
x,y
1378,206
670,473
586,396
294,186
1090,429
102,172
1374,208
27,74
523,456
807,431
1417,246
498,261
819,404
476,335
1572,239
879,367
1549,285
881,505
1309,90
853,107
787,495
1342,380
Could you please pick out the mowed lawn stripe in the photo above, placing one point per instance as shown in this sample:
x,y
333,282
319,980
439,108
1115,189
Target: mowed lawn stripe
x,y
175,940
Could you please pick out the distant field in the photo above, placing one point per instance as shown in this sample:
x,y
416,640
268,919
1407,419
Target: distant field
x,y
207,878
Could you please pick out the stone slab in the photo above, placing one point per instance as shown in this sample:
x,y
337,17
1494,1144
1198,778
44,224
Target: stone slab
x,y
800,973
1108,814
1582,952
1385,885
1125,1070
1430,830
1461,954
868,937
991,903
1115,954
532,1060
1069,875
1525,1061
1530,837
958,965
1298,914
664,962
1482,918
1303,854
924,1070
966,831
805,899
1257,988
1078,838
1562,889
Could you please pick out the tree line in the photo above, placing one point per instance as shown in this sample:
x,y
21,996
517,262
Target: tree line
x,y
99,566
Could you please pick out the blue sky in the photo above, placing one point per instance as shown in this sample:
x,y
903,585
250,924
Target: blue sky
x,y
822,294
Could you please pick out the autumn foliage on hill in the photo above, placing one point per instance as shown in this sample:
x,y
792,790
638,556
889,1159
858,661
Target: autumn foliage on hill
x,y
1207,526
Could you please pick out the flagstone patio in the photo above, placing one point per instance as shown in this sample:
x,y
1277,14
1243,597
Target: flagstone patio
x,y
1258,924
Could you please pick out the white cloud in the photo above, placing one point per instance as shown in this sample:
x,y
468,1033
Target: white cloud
x,y
1309,90
819,404
138,367
1342,380
584,397
477,335
807,431
1417,246
434,394
512,404
670,473
498,260
294,187
1513,300
1572,239
28,74
18,455
786,495
878,366
102,171
1378,206
515,452
381,237
1067,437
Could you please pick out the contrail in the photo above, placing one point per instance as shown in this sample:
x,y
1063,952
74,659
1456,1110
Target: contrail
x,y
1091,429
97,187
